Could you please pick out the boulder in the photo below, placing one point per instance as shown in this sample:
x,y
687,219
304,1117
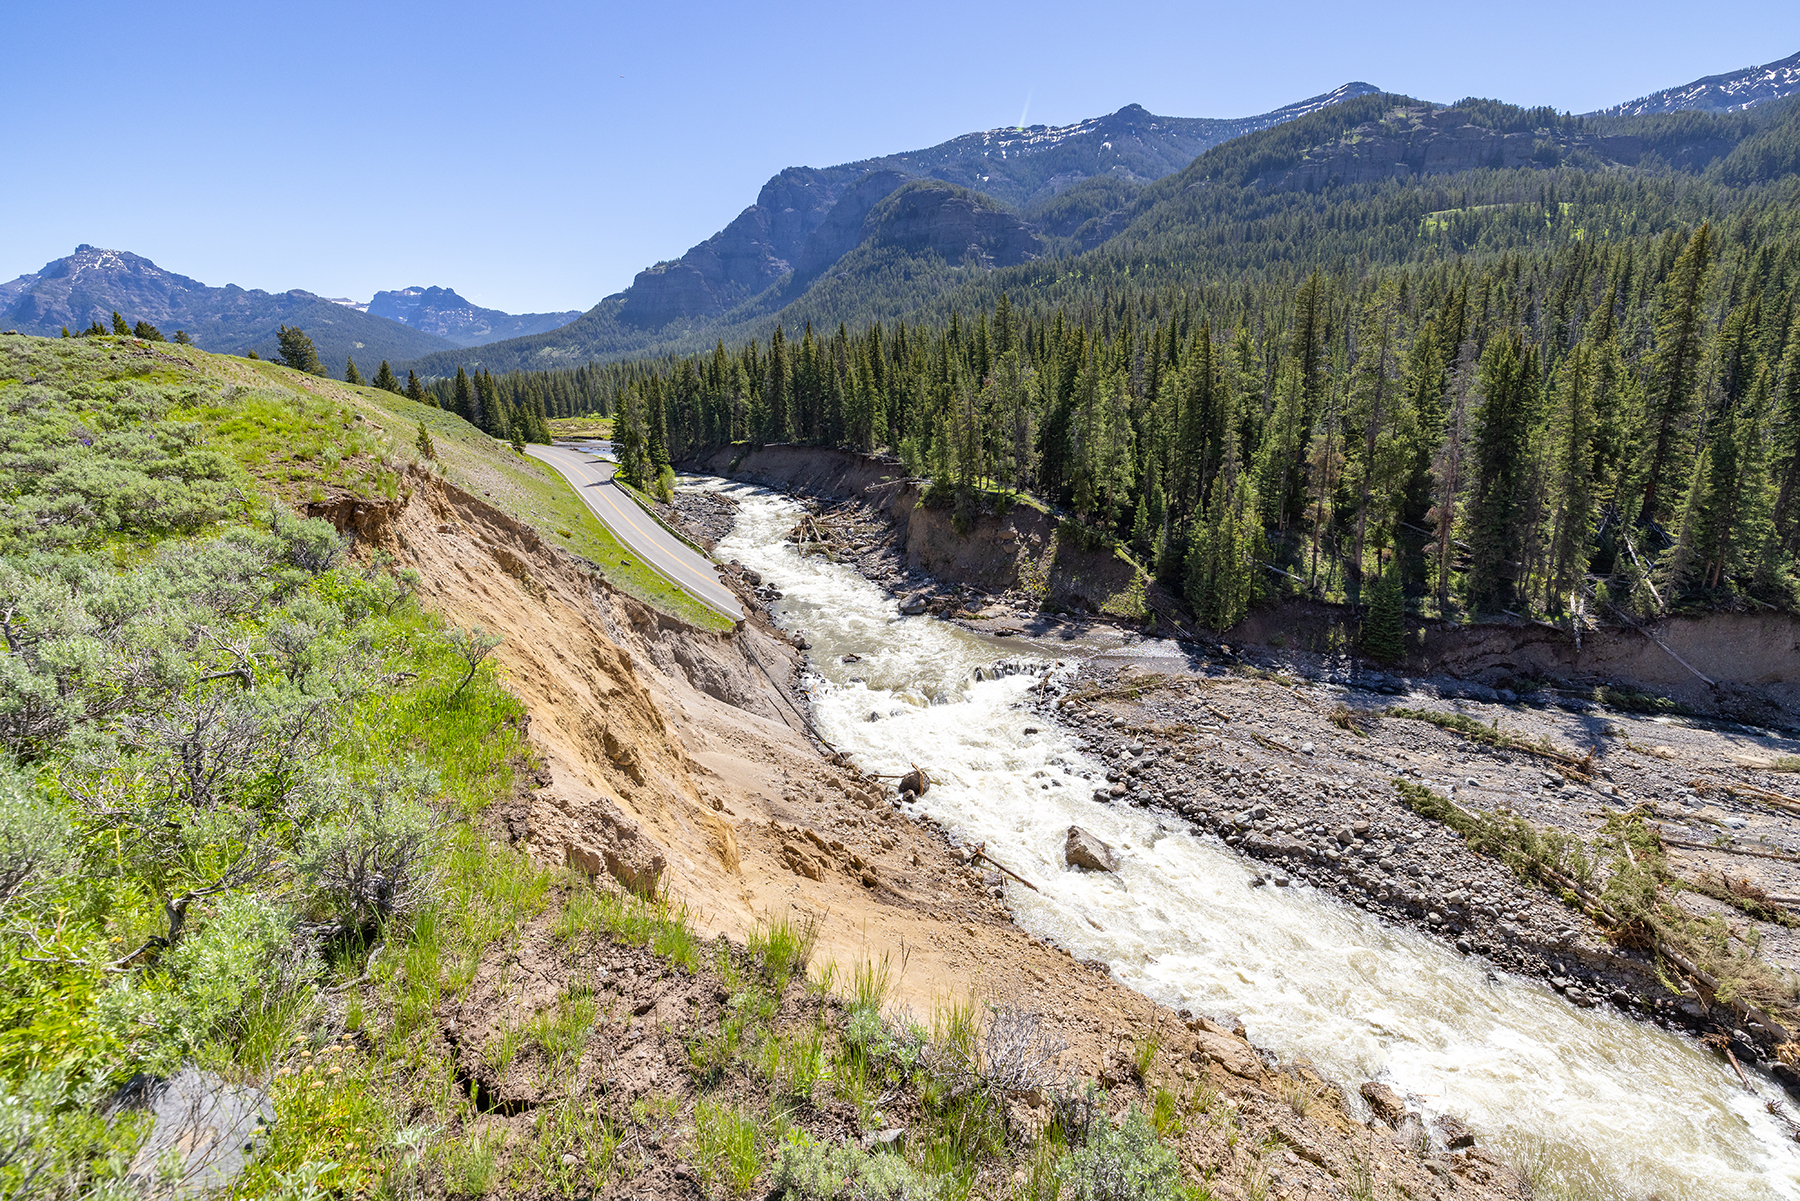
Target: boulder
x,y
624,852
1384,1102
1083,850
206,1129
1455,1135
1231,1053
916,782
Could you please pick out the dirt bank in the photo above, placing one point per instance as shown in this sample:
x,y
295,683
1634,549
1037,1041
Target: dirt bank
x,y
871,513
1017,571
673,757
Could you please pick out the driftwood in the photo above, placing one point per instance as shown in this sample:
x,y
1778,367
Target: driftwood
x,y
981,853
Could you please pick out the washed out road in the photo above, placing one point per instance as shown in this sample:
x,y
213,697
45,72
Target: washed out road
x,y
641,533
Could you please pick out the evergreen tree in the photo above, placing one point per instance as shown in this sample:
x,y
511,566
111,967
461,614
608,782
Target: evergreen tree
x,y
1675,362
118,325
384,378
463,399
181,336
1496,518
1384,628
351,374
416,390
297,350
147,332
1571,492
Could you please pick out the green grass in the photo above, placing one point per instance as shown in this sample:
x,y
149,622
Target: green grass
x,y
727,1145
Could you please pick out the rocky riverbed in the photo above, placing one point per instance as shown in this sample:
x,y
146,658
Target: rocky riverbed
x,y
1262,763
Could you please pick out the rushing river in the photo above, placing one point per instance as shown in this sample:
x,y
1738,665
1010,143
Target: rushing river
x,y
1594,1103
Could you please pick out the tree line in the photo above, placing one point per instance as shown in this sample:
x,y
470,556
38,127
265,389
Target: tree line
x,y
1588,428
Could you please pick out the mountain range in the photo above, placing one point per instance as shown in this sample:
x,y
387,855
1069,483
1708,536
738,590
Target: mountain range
x,y
877,238
93,283
442,312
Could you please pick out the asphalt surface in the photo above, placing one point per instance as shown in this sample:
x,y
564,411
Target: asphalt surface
x,y
643,534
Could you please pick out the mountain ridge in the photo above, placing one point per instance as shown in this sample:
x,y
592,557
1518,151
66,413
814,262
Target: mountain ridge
x,y
94,282
440,311
1728,92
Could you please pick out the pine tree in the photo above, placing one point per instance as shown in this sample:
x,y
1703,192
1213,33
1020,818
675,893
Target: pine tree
x,y
118,325
297,350
1496,520
416,390
147,332
65,332
1675,363
462,401
181,336
1384,629
384,378
351,374
1572,480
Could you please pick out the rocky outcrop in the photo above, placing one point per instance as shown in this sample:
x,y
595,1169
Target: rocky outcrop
x,y
745,258
842,228
956,225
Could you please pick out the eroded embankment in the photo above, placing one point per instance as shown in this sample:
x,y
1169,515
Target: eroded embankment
x,y
672,754
1742,666
910,545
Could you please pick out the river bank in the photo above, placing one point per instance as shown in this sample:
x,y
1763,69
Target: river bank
x,y
852,681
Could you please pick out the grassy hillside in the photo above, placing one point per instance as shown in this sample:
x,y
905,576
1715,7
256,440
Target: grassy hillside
x,y
239,771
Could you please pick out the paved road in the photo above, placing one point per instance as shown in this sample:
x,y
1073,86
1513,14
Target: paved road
x,y
645,536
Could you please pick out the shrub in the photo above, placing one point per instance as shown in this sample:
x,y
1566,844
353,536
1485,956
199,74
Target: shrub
x,y
370,866
34,835
1122,1162
811,1171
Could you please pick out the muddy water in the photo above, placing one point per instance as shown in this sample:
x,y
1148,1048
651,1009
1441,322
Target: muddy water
x,y
1590,1103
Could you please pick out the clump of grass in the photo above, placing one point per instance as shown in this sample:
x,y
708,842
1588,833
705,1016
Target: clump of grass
x,y
562,1032
727,1146
596,911
1143,1054
782,947
1165,1114
471,1165
1345,718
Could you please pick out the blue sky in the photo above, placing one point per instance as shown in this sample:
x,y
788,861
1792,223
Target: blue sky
x,y
535,155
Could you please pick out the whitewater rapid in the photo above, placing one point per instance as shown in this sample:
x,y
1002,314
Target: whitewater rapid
x,y
1586,1100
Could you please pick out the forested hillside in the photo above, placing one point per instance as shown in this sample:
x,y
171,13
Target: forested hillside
x,y
1547,391
1369,179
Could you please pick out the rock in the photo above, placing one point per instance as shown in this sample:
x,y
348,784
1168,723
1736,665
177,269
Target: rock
x,y
1383,1101
1456,1135
1306,748
627,854
210,1126
912,606
916,782
1230,1053
1083,850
